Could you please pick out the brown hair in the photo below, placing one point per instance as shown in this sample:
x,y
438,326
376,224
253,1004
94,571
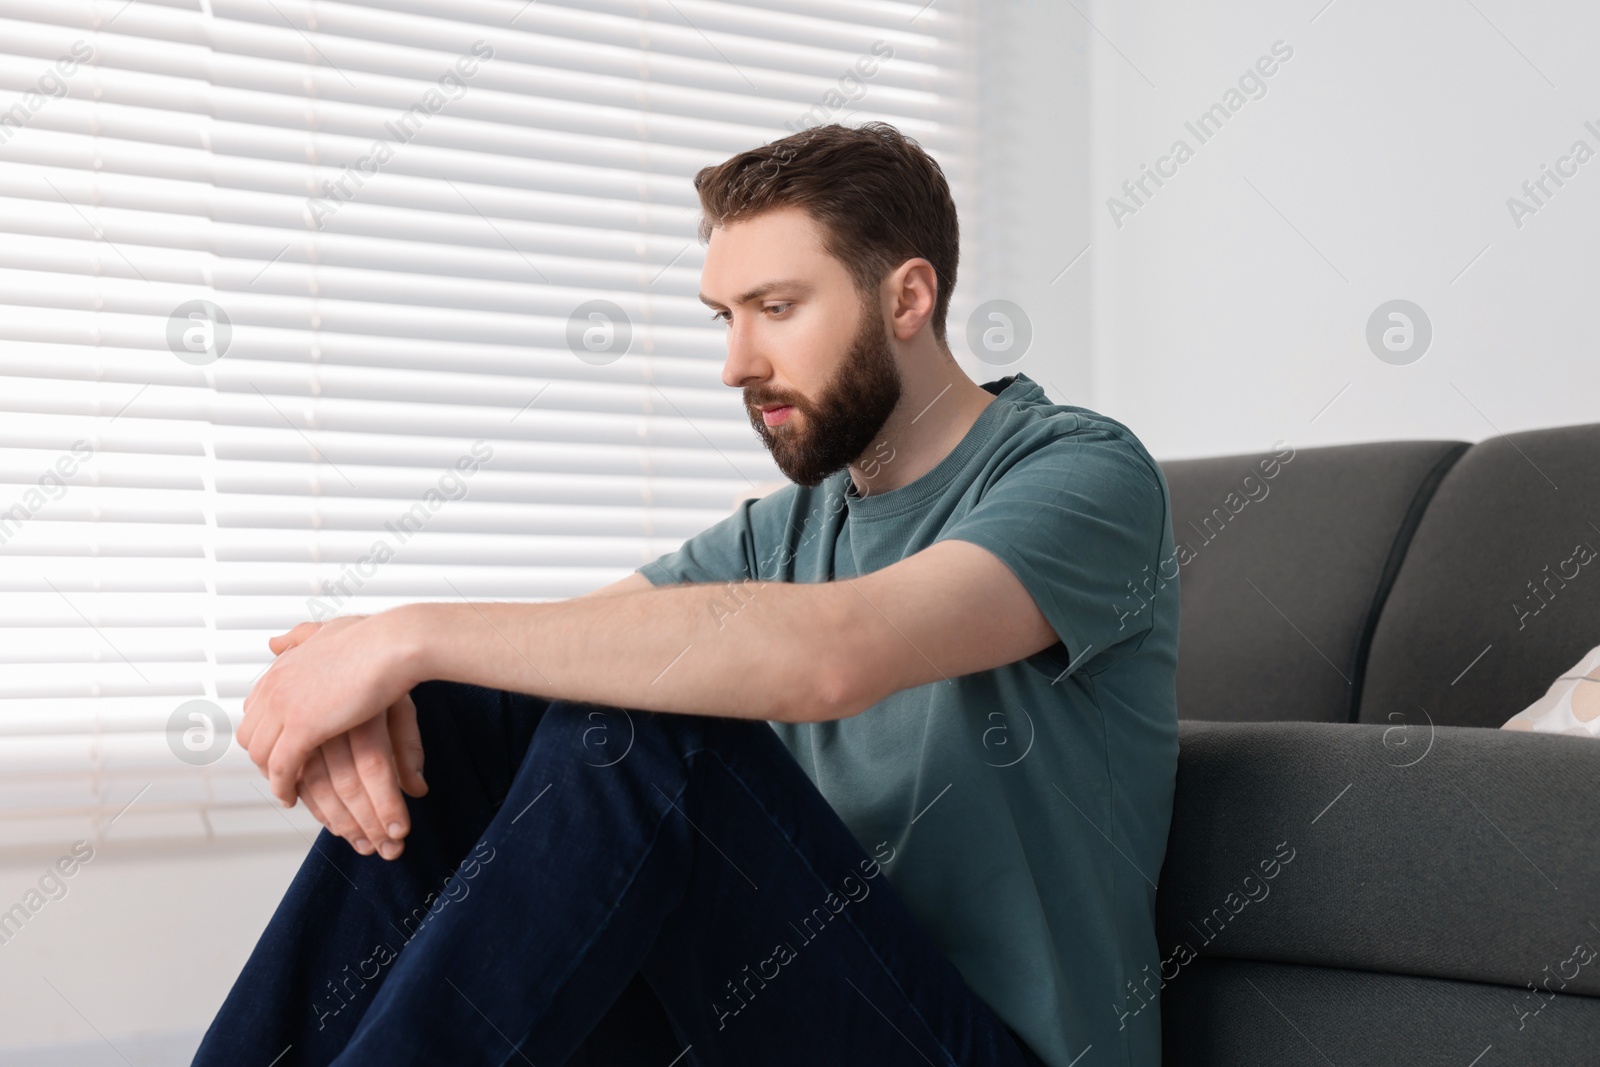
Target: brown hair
x,y
879,198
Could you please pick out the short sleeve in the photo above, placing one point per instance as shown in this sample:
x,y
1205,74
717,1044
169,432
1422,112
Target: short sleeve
x,y
1081,524
722,552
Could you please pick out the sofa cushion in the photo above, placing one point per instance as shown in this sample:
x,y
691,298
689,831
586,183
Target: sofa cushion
x,y
1499,591
1453,853
1236,1013
1282,559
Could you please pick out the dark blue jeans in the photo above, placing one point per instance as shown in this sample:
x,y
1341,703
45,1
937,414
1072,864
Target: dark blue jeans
x,y
586,885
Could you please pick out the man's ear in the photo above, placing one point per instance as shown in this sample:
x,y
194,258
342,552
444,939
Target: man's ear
x,y
913,288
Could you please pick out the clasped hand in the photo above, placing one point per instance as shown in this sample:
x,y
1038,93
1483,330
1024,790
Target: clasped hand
x,y
326,723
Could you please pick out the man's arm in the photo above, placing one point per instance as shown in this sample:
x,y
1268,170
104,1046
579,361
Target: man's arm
x,y
784,651
353,783
633,583
747,649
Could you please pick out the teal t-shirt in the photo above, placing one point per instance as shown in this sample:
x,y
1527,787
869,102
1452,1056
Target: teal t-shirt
x,y
1026,807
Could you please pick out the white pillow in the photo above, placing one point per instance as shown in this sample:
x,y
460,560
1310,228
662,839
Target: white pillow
x,y
1570,706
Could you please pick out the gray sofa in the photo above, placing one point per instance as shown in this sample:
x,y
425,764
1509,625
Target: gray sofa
x,y
1362,868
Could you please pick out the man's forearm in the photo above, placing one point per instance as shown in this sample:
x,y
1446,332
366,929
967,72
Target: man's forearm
x,y
754,650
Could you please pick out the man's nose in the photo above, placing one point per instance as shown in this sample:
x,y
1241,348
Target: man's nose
x,y
744,363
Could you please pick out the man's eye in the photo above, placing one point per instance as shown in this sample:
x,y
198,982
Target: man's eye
x,y
779,308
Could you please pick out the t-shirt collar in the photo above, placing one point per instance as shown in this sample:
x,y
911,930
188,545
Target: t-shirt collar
x,y
932,482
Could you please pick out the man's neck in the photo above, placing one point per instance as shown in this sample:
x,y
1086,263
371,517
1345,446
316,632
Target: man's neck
x,y
934,414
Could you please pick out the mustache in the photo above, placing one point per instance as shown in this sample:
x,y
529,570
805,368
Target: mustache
x,y
762,402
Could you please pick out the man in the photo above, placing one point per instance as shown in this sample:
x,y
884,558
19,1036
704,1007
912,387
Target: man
x,y
941,845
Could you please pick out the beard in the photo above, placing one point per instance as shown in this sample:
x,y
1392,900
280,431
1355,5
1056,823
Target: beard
x,y
836,428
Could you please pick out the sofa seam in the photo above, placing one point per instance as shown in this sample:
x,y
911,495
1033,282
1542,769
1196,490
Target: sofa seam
x,y
1399,548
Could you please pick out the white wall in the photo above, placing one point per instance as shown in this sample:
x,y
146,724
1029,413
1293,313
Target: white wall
x,y
132,963
1231,308
1024,235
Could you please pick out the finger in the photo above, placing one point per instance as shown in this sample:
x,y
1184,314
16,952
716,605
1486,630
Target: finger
x,y
261,742
375,762
247,722
298,635
339,820
406,739
286,760
352,791
317,787
311,805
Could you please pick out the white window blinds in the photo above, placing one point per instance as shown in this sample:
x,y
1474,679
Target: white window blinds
x,y
313,308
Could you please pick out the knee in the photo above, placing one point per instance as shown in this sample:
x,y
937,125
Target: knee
x,y
437,695
604,736
440,701
473,715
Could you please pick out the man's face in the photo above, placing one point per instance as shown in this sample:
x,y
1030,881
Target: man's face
x,y
799,334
